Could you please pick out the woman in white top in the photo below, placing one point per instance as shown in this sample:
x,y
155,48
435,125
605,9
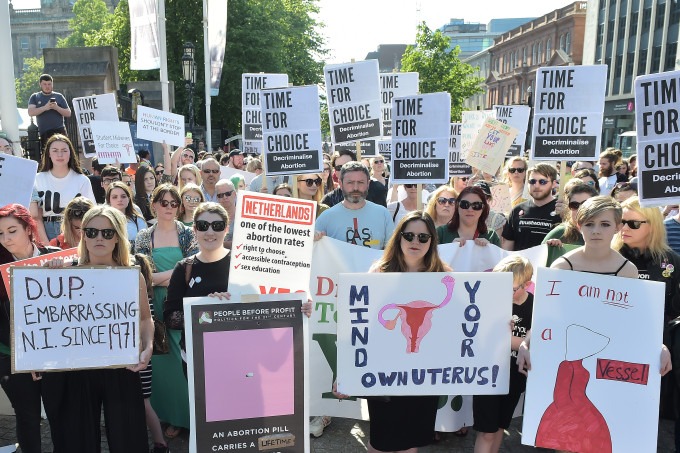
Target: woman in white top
x,y
59,181
399,209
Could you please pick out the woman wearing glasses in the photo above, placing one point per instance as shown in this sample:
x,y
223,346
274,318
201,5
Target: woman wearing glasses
x,y
119,196
589,177
310,188
399,209
469,220
145,183
191,197
378,166
515,175
441,205
167,242
71,231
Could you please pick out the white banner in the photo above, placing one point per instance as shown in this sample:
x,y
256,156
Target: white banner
x,y
113,142
251,112
144,43
101,107
217,41
18,174
159,126
392,85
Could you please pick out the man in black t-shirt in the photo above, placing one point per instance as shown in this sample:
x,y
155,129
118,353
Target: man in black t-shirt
x,y
531,221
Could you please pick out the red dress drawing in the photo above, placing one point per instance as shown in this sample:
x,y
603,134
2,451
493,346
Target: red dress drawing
x,y
572,422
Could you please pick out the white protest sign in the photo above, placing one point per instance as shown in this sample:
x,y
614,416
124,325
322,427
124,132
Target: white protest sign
x,y
420,138
471,123
272,245
160,126
228,172
385,148
101,107
589,372
568,112
457,165
658,148
516,116
74,318
353,91
489,149
251,114
18,174
500,198
291,130
367,147
113,142
394,85
424,334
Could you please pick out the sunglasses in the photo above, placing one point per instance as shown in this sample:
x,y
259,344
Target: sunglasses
x,y
77,213
475,205
188,156
378,161
574,205
217,225
159,172
516,170
542,182
207,171
110,180
423,238
465,179
191,199
92,233
634,224
338,167
590,183
310,182
166,203
443,201
409,186
225,194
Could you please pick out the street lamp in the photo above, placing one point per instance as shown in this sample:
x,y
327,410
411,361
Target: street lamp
x,y
189,74
530,103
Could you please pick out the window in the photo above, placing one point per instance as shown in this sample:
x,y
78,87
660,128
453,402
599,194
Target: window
x,y
548,49
567,47
540,52
646,18
622,27
642,61
656,59
533,54
660,14
633,23
24,43
562,42
43,42
669,61
524,56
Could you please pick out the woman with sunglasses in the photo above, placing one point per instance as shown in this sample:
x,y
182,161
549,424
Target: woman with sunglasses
x,y
399,209
159,169
145,183
119,196
377,166
167,242
328,185
589,177
191,196
515,175
469,220
441,205
71,231
459,183
309,188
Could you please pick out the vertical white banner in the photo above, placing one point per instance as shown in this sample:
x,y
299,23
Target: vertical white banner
x,y
217,41
144,42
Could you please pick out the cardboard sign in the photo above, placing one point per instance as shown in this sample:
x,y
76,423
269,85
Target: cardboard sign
x,y
385,148
420,138
588,369
251,113
658,148
353,91
516,116
101,107
75,318
18,174
159,126
457,165
393,85
247,371
272,246
568,112
368,148
471,123
500,198
492,143
292,130
113,142
67,255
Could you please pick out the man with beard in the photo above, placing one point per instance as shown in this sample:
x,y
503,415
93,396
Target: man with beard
x,y
377,192
226,196
532,220
356,220
210,173
608,174
235,159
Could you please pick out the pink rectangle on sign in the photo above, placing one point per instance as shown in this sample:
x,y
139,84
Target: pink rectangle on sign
x,y
249,374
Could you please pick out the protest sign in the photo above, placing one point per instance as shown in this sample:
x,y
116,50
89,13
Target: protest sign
x,y
568,112
291,130
500,198
159,126
489,148
228,172
18,174
589,372
101,107
251,113
353,100
113,142
516,116
247,371
472,122
658,148
420,138
272,246
67,255
433,357
75,318
140,143
457,166
368,148
394,85
385,148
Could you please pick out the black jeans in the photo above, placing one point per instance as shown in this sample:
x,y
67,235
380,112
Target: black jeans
x,y
24,394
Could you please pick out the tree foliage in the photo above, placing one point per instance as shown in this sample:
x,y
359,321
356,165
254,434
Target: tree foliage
x,y
28,83
90,16
441,70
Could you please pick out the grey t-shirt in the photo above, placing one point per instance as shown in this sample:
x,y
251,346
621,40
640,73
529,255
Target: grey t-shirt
x,y
50,119
370,226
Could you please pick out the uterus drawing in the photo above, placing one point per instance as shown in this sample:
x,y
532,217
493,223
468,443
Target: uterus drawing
x,y
416,317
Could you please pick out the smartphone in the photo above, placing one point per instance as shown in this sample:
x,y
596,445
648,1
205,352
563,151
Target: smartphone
x,y
190,135
53,99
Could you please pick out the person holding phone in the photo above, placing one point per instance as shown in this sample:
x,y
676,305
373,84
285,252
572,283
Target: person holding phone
x,y
50,108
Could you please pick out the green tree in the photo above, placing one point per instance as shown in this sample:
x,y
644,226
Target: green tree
x,y
90,16
440,69
28,83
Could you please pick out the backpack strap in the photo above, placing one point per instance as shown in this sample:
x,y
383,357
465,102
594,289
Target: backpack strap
x,y
188,265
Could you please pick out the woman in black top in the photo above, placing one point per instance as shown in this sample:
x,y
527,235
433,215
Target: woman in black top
x,y
145,183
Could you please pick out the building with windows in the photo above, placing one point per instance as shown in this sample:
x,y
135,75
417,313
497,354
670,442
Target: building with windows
x,y
632,37
475,37
481,61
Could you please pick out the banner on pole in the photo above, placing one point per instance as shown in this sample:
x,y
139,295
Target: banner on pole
x,y
217,41
144,42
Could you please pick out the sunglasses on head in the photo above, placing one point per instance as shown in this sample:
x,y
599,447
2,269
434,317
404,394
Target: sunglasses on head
x,y
310,181
423,238
633,224
409,186
443,201
208,171
475,205
225,194
574,205
107,233
516,170
77,213
542,182
166,203
191,199
217,225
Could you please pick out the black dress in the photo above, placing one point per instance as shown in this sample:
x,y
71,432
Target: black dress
x,y
402,422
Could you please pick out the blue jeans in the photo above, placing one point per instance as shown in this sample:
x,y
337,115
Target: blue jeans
x,y
52,229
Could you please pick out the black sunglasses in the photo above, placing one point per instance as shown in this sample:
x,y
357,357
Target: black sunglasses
x,y
574,205
443,201
634,224
542,182
217,225
310,182
225,194
475,205
208,171
166,203
409,186
107,233
378,161
338,167
159,172
423,238
516,170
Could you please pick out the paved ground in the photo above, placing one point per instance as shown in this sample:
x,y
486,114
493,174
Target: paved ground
x,y
350,436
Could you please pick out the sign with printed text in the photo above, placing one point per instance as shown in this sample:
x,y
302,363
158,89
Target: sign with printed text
x,y
353,95
658,147
19,174
457,165
568,112
368,148
588,373
472,122
385,148
393,85
251,112
516,116
139,143
292,130
74,318
160,126
491,145
113,142
272,246
420,138
101,107
247,372
67,255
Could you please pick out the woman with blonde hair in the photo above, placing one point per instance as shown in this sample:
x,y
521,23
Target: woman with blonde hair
x,y
515,174
191,196
310,188
442,205
71,230
188,174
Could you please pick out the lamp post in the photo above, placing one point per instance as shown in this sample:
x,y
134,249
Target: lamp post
x,y
530,103
189,74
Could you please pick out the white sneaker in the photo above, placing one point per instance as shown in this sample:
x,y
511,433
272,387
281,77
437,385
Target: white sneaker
x,y
317,425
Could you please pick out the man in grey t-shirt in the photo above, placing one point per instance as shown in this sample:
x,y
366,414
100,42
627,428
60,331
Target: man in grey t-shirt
x,y
50,108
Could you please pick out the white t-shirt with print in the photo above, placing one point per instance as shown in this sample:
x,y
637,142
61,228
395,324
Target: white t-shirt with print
x,y
55,193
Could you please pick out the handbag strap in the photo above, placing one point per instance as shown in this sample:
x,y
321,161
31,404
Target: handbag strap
x,y
188,266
